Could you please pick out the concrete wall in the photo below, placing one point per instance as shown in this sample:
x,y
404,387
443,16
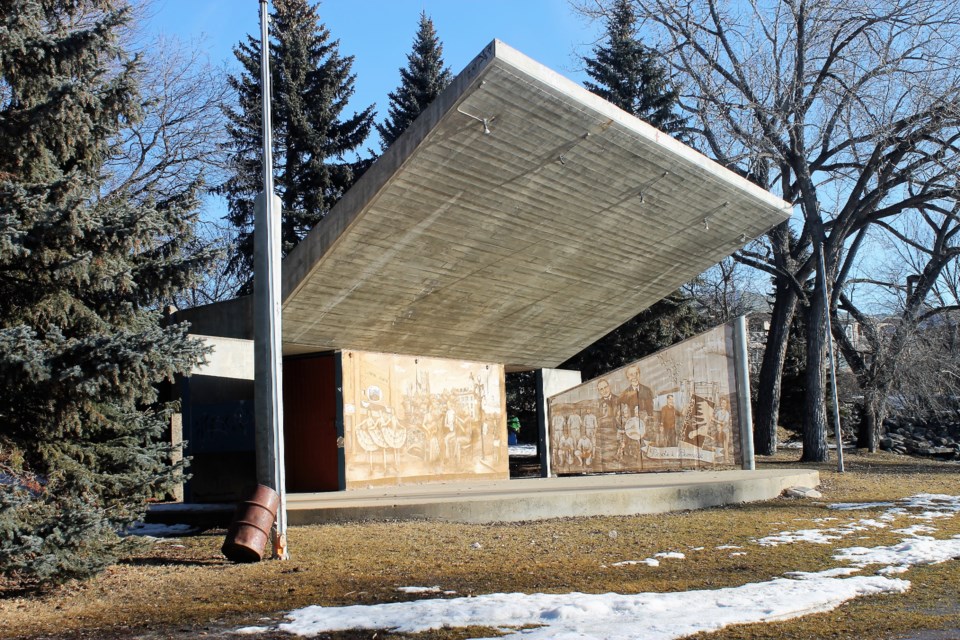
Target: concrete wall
x,y
218,430
230,358
227,319
217,422
550,382
677,409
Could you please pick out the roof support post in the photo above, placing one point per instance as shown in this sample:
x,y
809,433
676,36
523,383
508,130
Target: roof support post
x,y
744,411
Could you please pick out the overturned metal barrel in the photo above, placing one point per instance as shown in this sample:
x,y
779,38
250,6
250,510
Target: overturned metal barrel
x,y
248,534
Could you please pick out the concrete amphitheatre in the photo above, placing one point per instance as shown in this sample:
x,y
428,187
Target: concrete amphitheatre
x,y
516,221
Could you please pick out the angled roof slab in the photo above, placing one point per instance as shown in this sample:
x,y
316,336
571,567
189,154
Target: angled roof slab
x,y
517,220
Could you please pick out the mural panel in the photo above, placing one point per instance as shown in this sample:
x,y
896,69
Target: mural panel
x,y
676,409
411,419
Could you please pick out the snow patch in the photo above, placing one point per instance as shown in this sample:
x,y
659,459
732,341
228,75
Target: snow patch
x,y
522,450
650,562
919,550
423,590
610,616
827,573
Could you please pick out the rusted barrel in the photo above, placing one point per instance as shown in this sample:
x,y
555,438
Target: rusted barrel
x,y
250,529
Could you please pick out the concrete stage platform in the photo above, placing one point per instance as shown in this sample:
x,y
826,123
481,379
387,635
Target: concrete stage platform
x,y
541,498
518,499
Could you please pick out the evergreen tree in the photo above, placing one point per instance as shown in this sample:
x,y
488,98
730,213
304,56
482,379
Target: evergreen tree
x,y
627,73
420,83
84,271
311,86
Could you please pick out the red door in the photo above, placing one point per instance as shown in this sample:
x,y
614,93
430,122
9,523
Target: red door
x,y
310,423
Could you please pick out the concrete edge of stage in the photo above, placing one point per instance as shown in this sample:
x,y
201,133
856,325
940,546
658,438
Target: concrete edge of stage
x,y
526,499
518,500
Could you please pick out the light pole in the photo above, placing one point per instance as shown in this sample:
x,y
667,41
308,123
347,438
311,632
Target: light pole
x,y
833,362
268,378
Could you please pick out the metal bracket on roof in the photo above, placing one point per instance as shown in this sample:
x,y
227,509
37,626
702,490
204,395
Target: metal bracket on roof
x,y
650,184
486,121
709,216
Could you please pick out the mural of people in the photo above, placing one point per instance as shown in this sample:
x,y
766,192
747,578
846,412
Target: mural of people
x,y
638,397
608,426
565,448
673,410
584,452
668,422
421,419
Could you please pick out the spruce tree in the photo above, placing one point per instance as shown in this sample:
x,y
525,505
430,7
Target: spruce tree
x,y
313,141
84,272
627,73
420,83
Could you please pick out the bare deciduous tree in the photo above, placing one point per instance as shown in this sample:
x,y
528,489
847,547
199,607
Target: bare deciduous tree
x,y
220,283
921,284
839,106
179,137
176,147
725,291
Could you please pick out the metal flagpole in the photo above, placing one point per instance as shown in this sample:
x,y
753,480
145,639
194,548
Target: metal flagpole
x,y
268,382
833,362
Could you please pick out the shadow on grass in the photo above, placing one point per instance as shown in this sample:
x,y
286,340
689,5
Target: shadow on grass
x,y
175,562
865,463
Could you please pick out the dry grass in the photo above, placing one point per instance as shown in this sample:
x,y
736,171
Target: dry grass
x,y
186,589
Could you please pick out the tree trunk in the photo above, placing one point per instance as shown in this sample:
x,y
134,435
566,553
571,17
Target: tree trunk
x,y
767,412
814,415
874,413
867,429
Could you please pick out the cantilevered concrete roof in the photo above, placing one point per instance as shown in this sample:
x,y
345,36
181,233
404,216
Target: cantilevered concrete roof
x,y
517,220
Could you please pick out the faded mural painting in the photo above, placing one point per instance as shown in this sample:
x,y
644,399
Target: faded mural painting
x,y
419,419
676,409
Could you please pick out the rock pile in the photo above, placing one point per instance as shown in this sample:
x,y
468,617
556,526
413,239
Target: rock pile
x,y
919,438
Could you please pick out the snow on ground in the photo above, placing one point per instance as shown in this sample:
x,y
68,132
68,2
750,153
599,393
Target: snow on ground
x,y
522,450
915,530
917,550
828,573
934,506
661,616
611,616
425,590
821,536
650,562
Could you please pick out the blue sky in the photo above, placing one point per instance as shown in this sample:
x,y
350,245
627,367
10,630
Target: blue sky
x,y
379,33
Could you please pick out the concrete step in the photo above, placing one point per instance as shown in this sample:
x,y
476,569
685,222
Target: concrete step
x,y
542,498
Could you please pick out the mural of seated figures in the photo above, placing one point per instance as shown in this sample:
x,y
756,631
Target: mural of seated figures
x,y
674,410
410,419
